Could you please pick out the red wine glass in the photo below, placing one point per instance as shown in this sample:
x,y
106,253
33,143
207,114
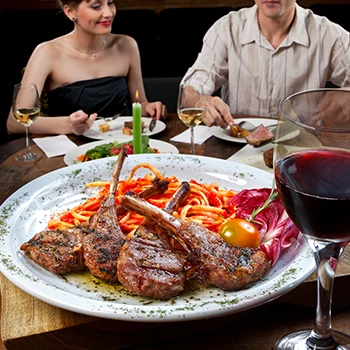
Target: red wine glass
x,y
311,165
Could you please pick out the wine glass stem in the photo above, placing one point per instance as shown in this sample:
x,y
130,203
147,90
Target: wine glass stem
x,y
192,140
27,137
326,256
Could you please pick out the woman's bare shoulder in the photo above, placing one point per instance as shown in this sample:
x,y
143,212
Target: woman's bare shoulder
x,y
50,48
123,42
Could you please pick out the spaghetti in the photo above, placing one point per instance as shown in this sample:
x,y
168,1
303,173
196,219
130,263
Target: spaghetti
x,y
207,204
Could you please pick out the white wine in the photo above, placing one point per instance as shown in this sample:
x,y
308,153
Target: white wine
x,y
26,116
191,116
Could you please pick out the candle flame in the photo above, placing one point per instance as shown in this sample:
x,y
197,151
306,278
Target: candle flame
x,y
137,95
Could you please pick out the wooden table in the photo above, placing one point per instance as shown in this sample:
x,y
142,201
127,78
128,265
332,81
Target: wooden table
x,y
29,324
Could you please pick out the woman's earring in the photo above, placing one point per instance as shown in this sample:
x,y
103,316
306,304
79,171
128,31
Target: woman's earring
x,y
73,19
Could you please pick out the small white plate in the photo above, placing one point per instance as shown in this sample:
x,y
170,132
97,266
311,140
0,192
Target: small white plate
x,y
117,126
224,134
71,157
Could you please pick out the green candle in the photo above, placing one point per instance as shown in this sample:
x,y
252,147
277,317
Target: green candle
x,y
137,129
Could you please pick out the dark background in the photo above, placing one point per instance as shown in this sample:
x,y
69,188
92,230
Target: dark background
x,y
169,39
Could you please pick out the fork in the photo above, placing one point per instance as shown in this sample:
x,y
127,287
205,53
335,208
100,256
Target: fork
x,y
109,119
250,127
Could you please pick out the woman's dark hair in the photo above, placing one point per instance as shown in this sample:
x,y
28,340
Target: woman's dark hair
x,y
71,3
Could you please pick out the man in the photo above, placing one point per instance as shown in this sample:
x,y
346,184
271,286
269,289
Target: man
x,y
262,54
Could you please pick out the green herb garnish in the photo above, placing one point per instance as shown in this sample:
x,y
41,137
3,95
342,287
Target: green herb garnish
x,y
273,195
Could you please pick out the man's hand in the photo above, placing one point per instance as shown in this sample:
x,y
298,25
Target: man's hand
x,y
217,112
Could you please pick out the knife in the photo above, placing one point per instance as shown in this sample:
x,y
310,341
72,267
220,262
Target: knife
x,y
152,124
284,138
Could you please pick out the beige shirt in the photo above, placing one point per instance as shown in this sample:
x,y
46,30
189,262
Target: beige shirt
x,y
254,76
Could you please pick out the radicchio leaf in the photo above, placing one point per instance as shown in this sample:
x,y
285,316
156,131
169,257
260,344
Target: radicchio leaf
x,y
277,231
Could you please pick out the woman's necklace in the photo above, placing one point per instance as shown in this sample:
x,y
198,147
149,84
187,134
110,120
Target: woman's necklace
x,y
93,54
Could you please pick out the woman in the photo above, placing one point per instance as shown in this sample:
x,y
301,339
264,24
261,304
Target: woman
x,y
87,73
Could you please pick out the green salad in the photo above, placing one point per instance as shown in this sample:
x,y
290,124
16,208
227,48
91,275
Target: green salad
x,y
112,149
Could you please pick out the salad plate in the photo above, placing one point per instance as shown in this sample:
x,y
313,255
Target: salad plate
x,y
224,134
116,128
70,157
29,209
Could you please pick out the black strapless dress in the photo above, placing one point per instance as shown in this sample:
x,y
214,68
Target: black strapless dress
x,y
105,96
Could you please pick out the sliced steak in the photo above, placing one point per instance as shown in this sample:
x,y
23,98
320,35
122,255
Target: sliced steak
x,y
130,125
260,135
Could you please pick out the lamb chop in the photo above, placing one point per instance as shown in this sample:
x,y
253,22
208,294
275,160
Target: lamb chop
x,y
97,247
158,186
61,251
104,239
58,251
215,261
147,264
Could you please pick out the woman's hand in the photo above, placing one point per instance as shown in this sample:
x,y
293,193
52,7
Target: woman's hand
x,y
80,122
155,110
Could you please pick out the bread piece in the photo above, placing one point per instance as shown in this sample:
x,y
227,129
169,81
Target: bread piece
x,y
104,127
127,131
268,157
235,130
244,133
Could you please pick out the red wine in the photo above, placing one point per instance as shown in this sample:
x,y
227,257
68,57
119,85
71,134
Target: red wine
x,y
314,186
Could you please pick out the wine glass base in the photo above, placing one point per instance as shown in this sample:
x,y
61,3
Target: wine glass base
x,y
27,156
298,341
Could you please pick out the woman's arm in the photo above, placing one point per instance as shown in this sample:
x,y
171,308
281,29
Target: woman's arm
x,y
38,69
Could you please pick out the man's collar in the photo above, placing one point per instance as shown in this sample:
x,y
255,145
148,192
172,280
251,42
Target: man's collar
x,y
297,33
251,31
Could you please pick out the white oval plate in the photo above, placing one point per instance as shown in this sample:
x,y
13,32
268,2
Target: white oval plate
x,y
117,126
224,134
70,157
28,210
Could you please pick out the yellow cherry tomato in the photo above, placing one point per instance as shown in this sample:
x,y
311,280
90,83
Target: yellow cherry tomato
x,y
240,232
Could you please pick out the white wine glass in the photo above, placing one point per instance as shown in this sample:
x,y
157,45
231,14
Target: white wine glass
x,y
191,108
26,108
311,165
